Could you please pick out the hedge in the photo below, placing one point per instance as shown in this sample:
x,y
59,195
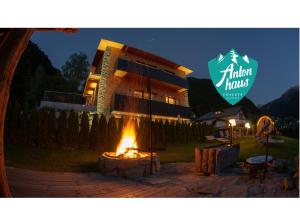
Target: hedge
x,y
71,130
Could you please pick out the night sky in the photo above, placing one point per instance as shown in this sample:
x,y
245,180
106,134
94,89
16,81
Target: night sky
x,y
275,50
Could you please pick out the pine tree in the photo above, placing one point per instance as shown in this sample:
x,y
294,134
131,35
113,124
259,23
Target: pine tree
x,y
94,135
23,139
33,127
62,131
120,127
140,135
143,136
167,130
73,130
172,134
102,138
51,128
161,135
43,128
84,131
111,140
14,130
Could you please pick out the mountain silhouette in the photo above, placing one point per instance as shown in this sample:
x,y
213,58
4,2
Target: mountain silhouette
x,y
204,98
287,105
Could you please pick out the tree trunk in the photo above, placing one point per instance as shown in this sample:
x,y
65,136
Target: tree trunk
x,y
12,45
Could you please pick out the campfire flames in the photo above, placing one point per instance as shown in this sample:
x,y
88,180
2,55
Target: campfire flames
x,y
127,146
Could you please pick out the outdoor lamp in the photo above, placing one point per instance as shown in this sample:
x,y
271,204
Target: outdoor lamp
x,y
247,125
232,122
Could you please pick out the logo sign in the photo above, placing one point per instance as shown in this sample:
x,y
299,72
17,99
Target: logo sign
x,y
232,75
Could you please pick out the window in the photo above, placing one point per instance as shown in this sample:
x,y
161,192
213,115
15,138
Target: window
x,y
138,94
170,100
144,95
153,95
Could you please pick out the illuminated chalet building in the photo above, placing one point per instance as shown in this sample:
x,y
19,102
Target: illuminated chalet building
x,y
119,79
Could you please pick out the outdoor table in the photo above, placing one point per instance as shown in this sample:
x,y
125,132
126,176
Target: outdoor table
x,y
256,163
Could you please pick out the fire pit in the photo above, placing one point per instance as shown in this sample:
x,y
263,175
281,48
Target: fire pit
x,y
127,161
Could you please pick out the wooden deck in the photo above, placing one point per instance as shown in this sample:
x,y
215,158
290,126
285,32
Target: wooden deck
x,y
175,180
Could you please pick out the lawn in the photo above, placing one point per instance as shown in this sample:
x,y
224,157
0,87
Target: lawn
x,y
46,159
249,147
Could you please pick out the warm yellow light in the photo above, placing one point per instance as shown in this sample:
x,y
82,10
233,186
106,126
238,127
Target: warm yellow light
x,y
182,90
120,73
185,70
232,122
90,92
128,146
93,85
104,43
247,125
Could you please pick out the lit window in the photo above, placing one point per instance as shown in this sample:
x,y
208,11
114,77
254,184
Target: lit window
x,y
138,94
146,95
170,100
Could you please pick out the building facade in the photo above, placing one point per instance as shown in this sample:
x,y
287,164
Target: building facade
x,y
120,79
220,119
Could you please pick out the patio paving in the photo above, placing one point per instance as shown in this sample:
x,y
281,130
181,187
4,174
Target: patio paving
x,y
174,180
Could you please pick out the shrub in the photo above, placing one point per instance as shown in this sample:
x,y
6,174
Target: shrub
x,y
51,129
62,137
43,128
111,140
33,127
23,136
73,130
143,135
94,135
84,132
102,141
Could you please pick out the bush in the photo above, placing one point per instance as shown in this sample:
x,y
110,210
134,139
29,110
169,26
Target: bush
x,y
62,137
111,141
73,130
23,136
102,134
94,135
33,127
51,129
84,132
13,123
43,128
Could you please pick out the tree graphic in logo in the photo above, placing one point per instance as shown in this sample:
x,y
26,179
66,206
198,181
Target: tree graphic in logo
x,y
232,75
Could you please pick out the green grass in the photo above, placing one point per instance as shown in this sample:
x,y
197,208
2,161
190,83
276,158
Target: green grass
x,y
180,152
46,159
249,147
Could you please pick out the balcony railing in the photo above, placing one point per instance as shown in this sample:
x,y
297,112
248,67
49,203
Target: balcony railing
x,y
132,67
137,105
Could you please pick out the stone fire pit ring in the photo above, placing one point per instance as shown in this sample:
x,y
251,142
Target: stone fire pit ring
x,y
128,167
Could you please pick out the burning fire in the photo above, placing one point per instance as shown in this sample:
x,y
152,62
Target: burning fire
x,y
127,147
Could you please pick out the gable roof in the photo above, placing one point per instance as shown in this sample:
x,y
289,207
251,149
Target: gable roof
x,y
220,113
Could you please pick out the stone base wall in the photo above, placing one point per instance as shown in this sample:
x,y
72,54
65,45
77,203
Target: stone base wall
x,y
213,160
128,168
